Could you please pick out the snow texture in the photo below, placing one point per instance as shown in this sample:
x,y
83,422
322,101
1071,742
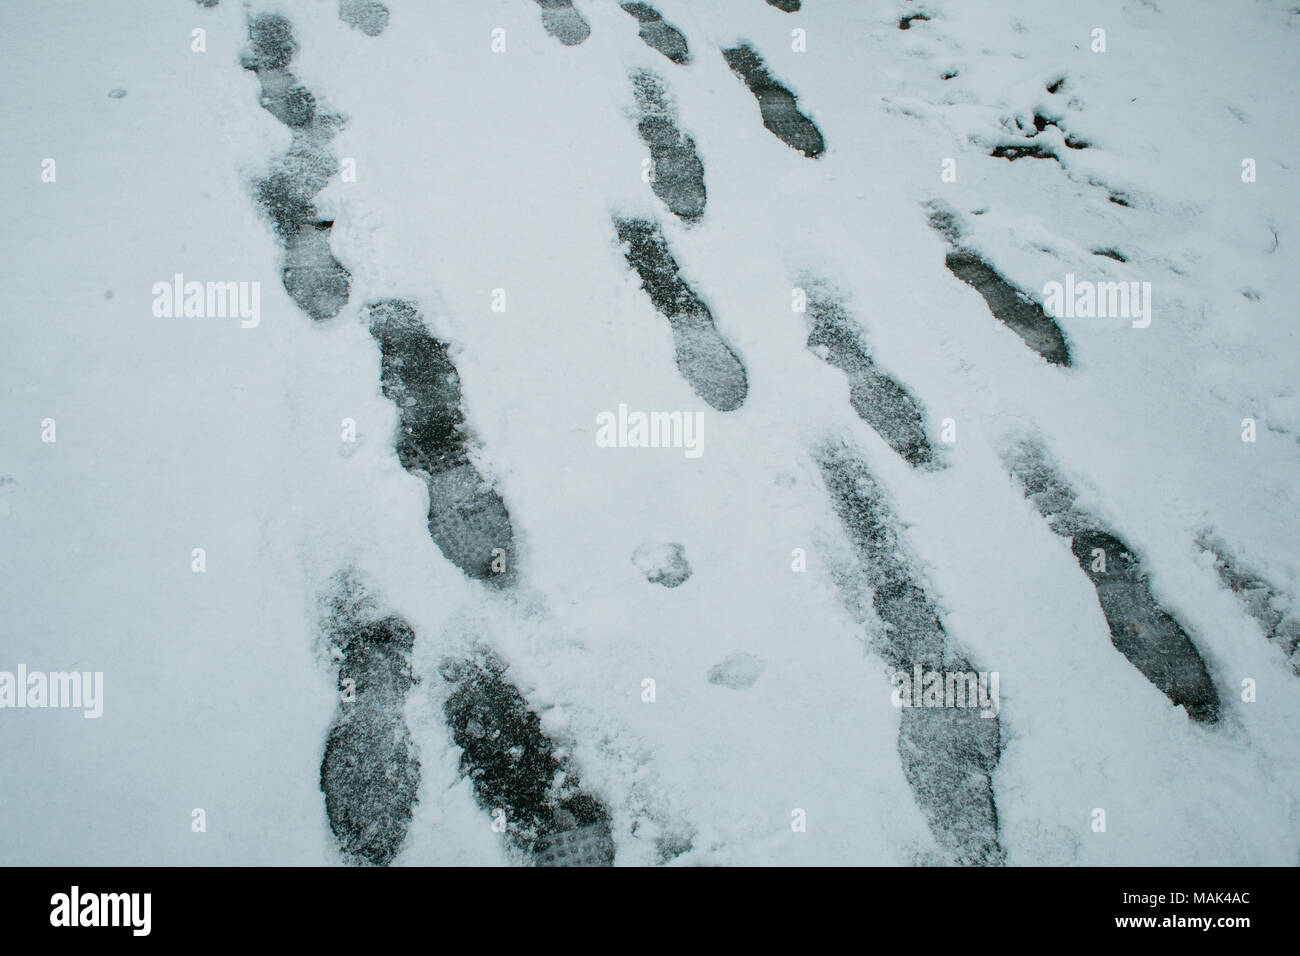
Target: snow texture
x,y
365,588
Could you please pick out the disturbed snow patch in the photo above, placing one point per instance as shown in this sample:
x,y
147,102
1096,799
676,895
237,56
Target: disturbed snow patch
x,y
664,564
737,671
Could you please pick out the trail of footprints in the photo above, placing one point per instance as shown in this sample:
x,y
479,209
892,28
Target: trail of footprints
x,y
370,771
314,279
1149,637
516,775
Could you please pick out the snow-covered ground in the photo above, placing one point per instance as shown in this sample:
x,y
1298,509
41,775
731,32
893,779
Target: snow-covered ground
x,y
491,169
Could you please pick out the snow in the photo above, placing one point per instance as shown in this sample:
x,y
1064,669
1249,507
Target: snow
x,y
479,171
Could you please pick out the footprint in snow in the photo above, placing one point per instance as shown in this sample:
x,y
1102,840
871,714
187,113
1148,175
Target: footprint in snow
x,y
948,754
1012,307
1140,629
880,401
705,360
658,34
778,107
468,520
368,16
564,22
678,178
370,773
515,769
